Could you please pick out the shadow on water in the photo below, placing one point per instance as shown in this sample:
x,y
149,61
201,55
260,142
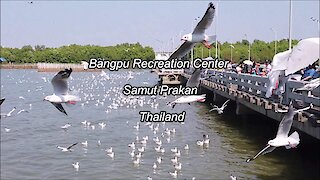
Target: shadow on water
x,y
248,134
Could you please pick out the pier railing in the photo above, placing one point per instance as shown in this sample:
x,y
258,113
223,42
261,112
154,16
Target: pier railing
x,y
257,86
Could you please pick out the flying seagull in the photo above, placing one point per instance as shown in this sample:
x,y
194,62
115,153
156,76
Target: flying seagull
x,y
282,138
60,88
9,113
67,149
285,63
219,109
197,36
194,80
188,99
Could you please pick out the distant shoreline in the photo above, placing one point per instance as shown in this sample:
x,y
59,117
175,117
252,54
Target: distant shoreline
x,y
51,67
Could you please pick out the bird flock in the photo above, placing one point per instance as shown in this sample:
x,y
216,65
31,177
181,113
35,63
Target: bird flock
x,y
148,137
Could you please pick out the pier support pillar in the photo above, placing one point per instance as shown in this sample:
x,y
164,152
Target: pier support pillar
x,y
242,109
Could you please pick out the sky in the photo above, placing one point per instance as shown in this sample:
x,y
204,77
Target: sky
x,y
151,23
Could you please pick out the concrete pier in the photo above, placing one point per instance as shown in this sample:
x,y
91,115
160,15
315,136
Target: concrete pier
x,y
249,91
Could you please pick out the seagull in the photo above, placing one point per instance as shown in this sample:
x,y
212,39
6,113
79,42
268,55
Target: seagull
x,y
76,166
9,113
188,99
66,126
85,144
233,177
197,36
111,154
178,166
154,166
129,76
186,147
285,63
137,161
206,139
174,174
194,80
282,138
219,109
109,150
174,160
7,129
159,159
174,150
60,87
200,143
102,125
22,110
67,149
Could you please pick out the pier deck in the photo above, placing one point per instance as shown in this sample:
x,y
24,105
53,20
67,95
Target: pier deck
x,y
249,91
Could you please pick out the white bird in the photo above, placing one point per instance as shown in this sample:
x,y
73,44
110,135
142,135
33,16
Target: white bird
x,y
200,143
111,154
186,147
9,113
22,110
132,145
154,166
139,155
174,174
178,153
76,166
219,109
188,99
174,150
109,150
102,125
159,159
67,149
7,129
85,144
288,62
174,160
197,36
141,149
60,87
137,161
149,178
132,153
178,166
282,138
66,126
233,177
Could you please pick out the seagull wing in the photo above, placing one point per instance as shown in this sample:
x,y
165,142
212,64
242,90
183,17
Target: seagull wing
x,y
206,20
182,50
304,53
1,101
194,80
59,81
225,103
285,124
213,109
72,145
265,150
59,107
